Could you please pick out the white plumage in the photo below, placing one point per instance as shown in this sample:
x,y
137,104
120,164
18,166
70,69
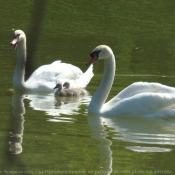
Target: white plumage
x,y
45,77
139,99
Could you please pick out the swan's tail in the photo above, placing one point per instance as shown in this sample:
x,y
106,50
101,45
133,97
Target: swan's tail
x,y
89,72
84,79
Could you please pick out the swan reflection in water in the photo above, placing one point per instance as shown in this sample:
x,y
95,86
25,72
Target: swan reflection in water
x,y
157,135
138,131
53,106
18,112
56,106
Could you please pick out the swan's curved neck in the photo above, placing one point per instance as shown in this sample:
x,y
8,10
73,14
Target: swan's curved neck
x,y
19,73
103,90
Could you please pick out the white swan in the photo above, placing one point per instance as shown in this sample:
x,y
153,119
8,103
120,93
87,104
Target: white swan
x,y
45,77
138,99
74,92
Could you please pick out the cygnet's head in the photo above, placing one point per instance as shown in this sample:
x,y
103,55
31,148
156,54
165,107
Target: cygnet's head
x,y
58,86
18,36
66,85
100,52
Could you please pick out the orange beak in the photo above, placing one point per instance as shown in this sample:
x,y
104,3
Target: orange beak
x,y
94,58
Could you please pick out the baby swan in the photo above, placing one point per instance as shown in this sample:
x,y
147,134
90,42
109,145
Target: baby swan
x,y
80,91
73,92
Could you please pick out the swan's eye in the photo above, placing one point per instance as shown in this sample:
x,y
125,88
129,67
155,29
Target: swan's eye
x,y
92,55
16,36
95,53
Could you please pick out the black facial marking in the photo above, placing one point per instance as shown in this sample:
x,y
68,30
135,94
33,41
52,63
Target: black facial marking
x,y
95,53
15,36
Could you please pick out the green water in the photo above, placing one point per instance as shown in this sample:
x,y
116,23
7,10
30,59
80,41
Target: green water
x,y
41,134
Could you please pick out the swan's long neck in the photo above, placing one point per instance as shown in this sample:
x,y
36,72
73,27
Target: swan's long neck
x,y
19,73
103,90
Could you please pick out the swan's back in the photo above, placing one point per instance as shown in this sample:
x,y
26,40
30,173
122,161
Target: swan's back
x,y
143,87
142,104
142,98
55,71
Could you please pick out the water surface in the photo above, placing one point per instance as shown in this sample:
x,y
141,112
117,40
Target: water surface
x,y
41,134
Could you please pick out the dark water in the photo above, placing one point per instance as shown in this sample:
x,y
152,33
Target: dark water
x,y
41,134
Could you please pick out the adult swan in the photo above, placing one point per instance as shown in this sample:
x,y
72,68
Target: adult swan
x,y
139,99
46,76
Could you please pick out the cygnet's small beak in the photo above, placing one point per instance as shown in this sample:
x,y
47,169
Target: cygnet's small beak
x,y
55,87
